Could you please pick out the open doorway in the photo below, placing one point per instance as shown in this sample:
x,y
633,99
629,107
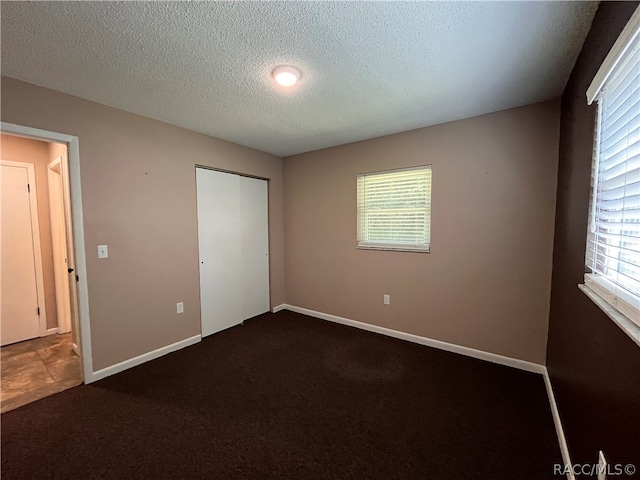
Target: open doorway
x,y
39,333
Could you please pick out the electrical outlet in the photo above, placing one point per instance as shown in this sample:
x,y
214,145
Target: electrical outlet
x,y
103,252
387,299
602,466
180,307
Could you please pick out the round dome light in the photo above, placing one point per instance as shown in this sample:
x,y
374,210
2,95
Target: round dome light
x,y
286,76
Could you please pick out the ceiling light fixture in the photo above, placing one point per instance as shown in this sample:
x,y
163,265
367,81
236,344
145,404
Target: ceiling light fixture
x,y
286,76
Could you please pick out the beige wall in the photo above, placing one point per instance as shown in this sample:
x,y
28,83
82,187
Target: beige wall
x,y
25,150
485,285
486,282
139,198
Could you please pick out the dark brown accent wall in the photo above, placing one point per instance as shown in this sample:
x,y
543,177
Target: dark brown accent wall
x,y
594,365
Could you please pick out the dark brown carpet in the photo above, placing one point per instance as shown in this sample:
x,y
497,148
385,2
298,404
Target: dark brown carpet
x,y
286,396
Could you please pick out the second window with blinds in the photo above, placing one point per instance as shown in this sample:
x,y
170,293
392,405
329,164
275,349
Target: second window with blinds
x,y
613,243
394,210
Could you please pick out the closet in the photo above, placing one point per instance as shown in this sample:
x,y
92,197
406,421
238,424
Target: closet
x,y
233,242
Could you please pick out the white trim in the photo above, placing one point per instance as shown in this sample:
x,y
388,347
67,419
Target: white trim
x,y
625,302
76,350
73,154
60,275
364,246
449,347
135,361
50,331
627,36
595,169
558,424
35,236
282,306
626,325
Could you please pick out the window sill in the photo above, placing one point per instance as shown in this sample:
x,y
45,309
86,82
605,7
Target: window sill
x,y
627,326
392,249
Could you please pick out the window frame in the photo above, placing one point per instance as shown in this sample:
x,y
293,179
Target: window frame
x,y
622,307
393,247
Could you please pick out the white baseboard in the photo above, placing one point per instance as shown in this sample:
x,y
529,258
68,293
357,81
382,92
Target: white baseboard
x,y
75,348
50,331
133,362
559,430
429,342
282,306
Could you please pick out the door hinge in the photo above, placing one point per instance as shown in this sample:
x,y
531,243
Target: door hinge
x,y
77,278
38,311
28,188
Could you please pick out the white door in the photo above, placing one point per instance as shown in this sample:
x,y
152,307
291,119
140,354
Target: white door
x,y
254,236
233,247
19,290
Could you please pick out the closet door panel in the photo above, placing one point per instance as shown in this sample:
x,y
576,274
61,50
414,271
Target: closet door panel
x,y
219,233
254,228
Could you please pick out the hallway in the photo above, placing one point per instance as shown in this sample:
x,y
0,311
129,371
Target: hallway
x,y
37,368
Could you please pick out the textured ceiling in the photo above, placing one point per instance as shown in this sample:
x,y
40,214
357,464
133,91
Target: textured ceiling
x,y
368,68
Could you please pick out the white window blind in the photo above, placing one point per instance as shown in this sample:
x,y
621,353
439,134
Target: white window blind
x,y
394,209
613,243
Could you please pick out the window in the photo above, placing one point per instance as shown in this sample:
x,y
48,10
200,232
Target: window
x,y
394,209
613,240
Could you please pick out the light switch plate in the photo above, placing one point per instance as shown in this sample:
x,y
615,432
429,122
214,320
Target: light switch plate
x,y
102,251
180,307
387,299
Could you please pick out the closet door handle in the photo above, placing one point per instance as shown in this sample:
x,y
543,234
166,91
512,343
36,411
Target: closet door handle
x,y
69,270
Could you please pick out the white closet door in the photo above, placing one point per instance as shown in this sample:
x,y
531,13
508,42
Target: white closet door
x,y
255,246
233,246
220,250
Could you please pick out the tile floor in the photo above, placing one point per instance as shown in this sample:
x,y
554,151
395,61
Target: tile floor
x,y
37,368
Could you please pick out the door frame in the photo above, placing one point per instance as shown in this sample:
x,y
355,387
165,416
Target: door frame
x,y
75,187
60,259
35,239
